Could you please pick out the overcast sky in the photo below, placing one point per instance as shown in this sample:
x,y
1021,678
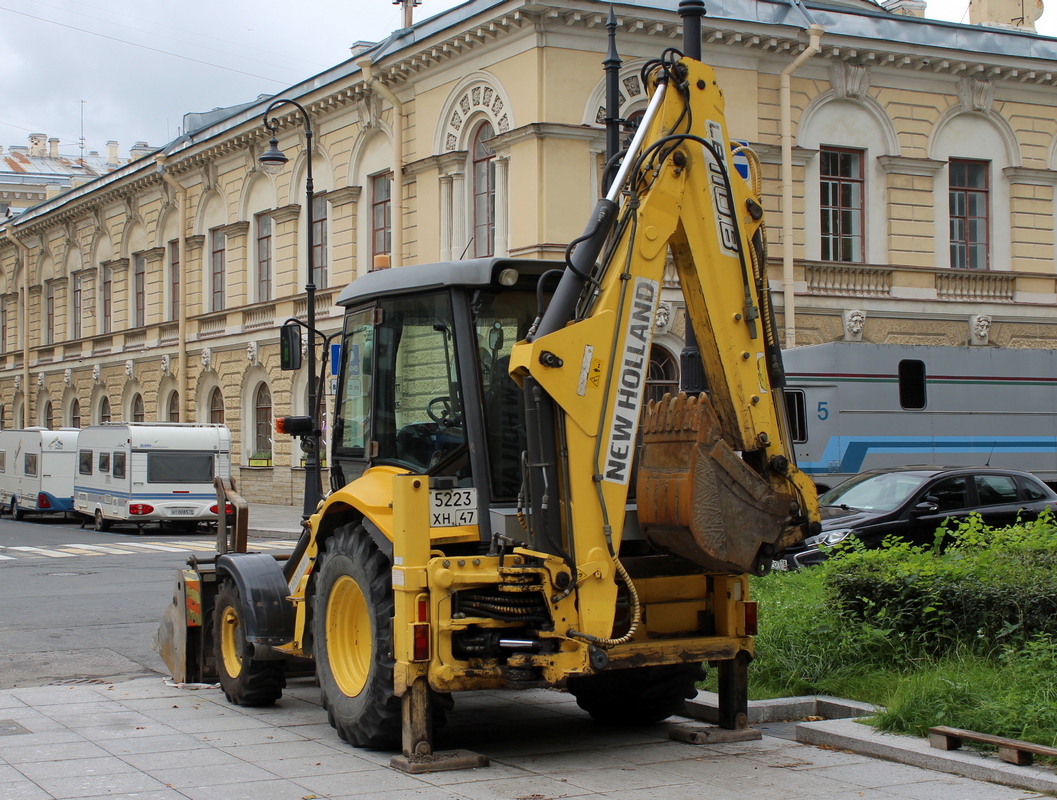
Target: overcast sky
x,y
140,65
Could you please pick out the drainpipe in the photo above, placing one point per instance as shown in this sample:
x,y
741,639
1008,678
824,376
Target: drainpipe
x,y
785,99
23,324
396,256
181,250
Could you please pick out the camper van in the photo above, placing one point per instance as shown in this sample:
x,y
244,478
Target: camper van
x,y
856,406
150,473
36,471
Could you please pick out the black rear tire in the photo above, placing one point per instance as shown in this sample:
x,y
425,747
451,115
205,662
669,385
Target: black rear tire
x,y
17,512
637,696
246,681
353,639
102,524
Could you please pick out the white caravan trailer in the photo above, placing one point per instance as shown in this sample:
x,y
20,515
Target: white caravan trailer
x,y
855,406
36,471
150,472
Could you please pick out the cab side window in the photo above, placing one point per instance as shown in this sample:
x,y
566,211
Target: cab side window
x,y
1031,490
996,490
951,494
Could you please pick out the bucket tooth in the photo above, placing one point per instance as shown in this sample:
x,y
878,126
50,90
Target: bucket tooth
x,y
697,498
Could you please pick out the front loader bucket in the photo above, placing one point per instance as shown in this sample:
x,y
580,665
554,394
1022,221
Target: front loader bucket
x,y
697,498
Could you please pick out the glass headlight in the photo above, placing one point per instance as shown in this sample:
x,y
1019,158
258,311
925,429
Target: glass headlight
x,y
828,538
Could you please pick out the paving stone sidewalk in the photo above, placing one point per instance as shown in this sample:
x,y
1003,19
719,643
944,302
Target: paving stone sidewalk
x,y
145,740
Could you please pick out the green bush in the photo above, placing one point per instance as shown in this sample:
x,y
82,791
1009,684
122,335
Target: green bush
x,y
988,586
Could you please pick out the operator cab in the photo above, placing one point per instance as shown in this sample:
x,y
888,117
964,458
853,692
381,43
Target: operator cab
x,y
424,374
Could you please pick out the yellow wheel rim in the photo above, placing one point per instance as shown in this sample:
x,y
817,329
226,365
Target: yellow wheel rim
x,y
231,641
349,641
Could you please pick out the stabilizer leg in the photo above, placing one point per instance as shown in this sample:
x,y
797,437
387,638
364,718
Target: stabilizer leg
x,y
417,738
734,692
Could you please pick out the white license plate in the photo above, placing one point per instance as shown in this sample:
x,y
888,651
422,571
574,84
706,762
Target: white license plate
x,y
181,512
449,508
781,565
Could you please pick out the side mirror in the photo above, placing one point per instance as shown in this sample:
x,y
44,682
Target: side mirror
x,y
289,347
925,507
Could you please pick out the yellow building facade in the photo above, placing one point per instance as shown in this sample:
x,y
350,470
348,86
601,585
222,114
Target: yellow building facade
x,y
909,174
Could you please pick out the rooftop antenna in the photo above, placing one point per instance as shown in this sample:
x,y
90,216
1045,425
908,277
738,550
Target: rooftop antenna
x,y
81,140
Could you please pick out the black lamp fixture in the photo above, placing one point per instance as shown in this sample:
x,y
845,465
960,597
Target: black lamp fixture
x,y
273,161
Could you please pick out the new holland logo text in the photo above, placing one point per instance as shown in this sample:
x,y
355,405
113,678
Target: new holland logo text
x,y
721,200
633,367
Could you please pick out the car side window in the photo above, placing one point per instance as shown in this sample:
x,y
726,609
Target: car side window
x,y
996,490
951,494
1032,491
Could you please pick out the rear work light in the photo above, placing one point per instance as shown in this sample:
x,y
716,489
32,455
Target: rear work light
x,y
752,625
139,509
228,509
420,630
294,426
43,501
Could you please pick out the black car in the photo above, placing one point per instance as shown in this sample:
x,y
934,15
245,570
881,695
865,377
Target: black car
x,y
912,502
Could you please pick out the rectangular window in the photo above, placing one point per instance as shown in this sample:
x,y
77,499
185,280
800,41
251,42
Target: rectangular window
x,y
179,467
381,214
76,307
139,292
84,462
31,464
264,257
119,465
912,384
319,242
217,244
3,461
174,280
970,213
104,462
105,297
841,204
49,313
3,325
796,411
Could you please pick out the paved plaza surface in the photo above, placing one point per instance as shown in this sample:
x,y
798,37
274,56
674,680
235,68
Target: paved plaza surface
x,y
146,740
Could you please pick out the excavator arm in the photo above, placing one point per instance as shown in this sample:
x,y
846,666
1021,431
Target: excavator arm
x,y
717,483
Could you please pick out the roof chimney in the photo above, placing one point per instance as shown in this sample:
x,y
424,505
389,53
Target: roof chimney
x,y
139,149
905,8
53,148
1005,13
36,144
111,154
53,190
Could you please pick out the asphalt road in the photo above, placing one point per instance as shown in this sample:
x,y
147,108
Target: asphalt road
x,y
70,613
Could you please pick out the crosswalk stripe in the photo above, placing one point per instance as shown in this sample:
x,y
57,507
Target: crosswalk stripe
x,y
162,547
114,551
42,551
275,545
78,551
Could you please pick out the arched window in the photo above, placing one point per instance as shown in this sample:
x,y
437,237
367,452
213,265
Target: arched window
x,y
48,417
174,407
75,413
483,192
216,407
262,415
664,374
137,408
104,410
3,417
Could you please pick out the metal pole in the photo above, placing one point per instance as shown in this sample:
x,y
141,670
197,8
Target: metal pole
x,y
611,65
313,473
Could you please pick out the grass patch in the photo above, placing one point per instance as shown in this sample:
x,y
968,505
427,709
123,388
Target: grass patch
x,y
963,637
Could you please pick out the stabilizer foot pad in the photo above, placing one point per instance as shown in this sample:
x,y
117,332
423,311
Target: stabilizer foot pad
x,y
442,761
710,734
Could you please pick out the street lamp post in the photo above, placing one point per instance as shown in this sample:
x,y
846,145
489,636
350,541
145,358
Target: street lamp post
x,y
272,161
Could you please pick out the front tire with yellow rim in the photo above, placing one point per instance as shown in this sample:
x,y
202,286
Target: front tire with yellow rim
x,y
246,681
353,639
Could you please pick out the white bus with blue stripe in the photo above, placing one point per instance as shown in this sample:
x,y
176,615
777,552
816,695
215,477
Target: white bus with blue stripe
x,y
855,406
150,473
